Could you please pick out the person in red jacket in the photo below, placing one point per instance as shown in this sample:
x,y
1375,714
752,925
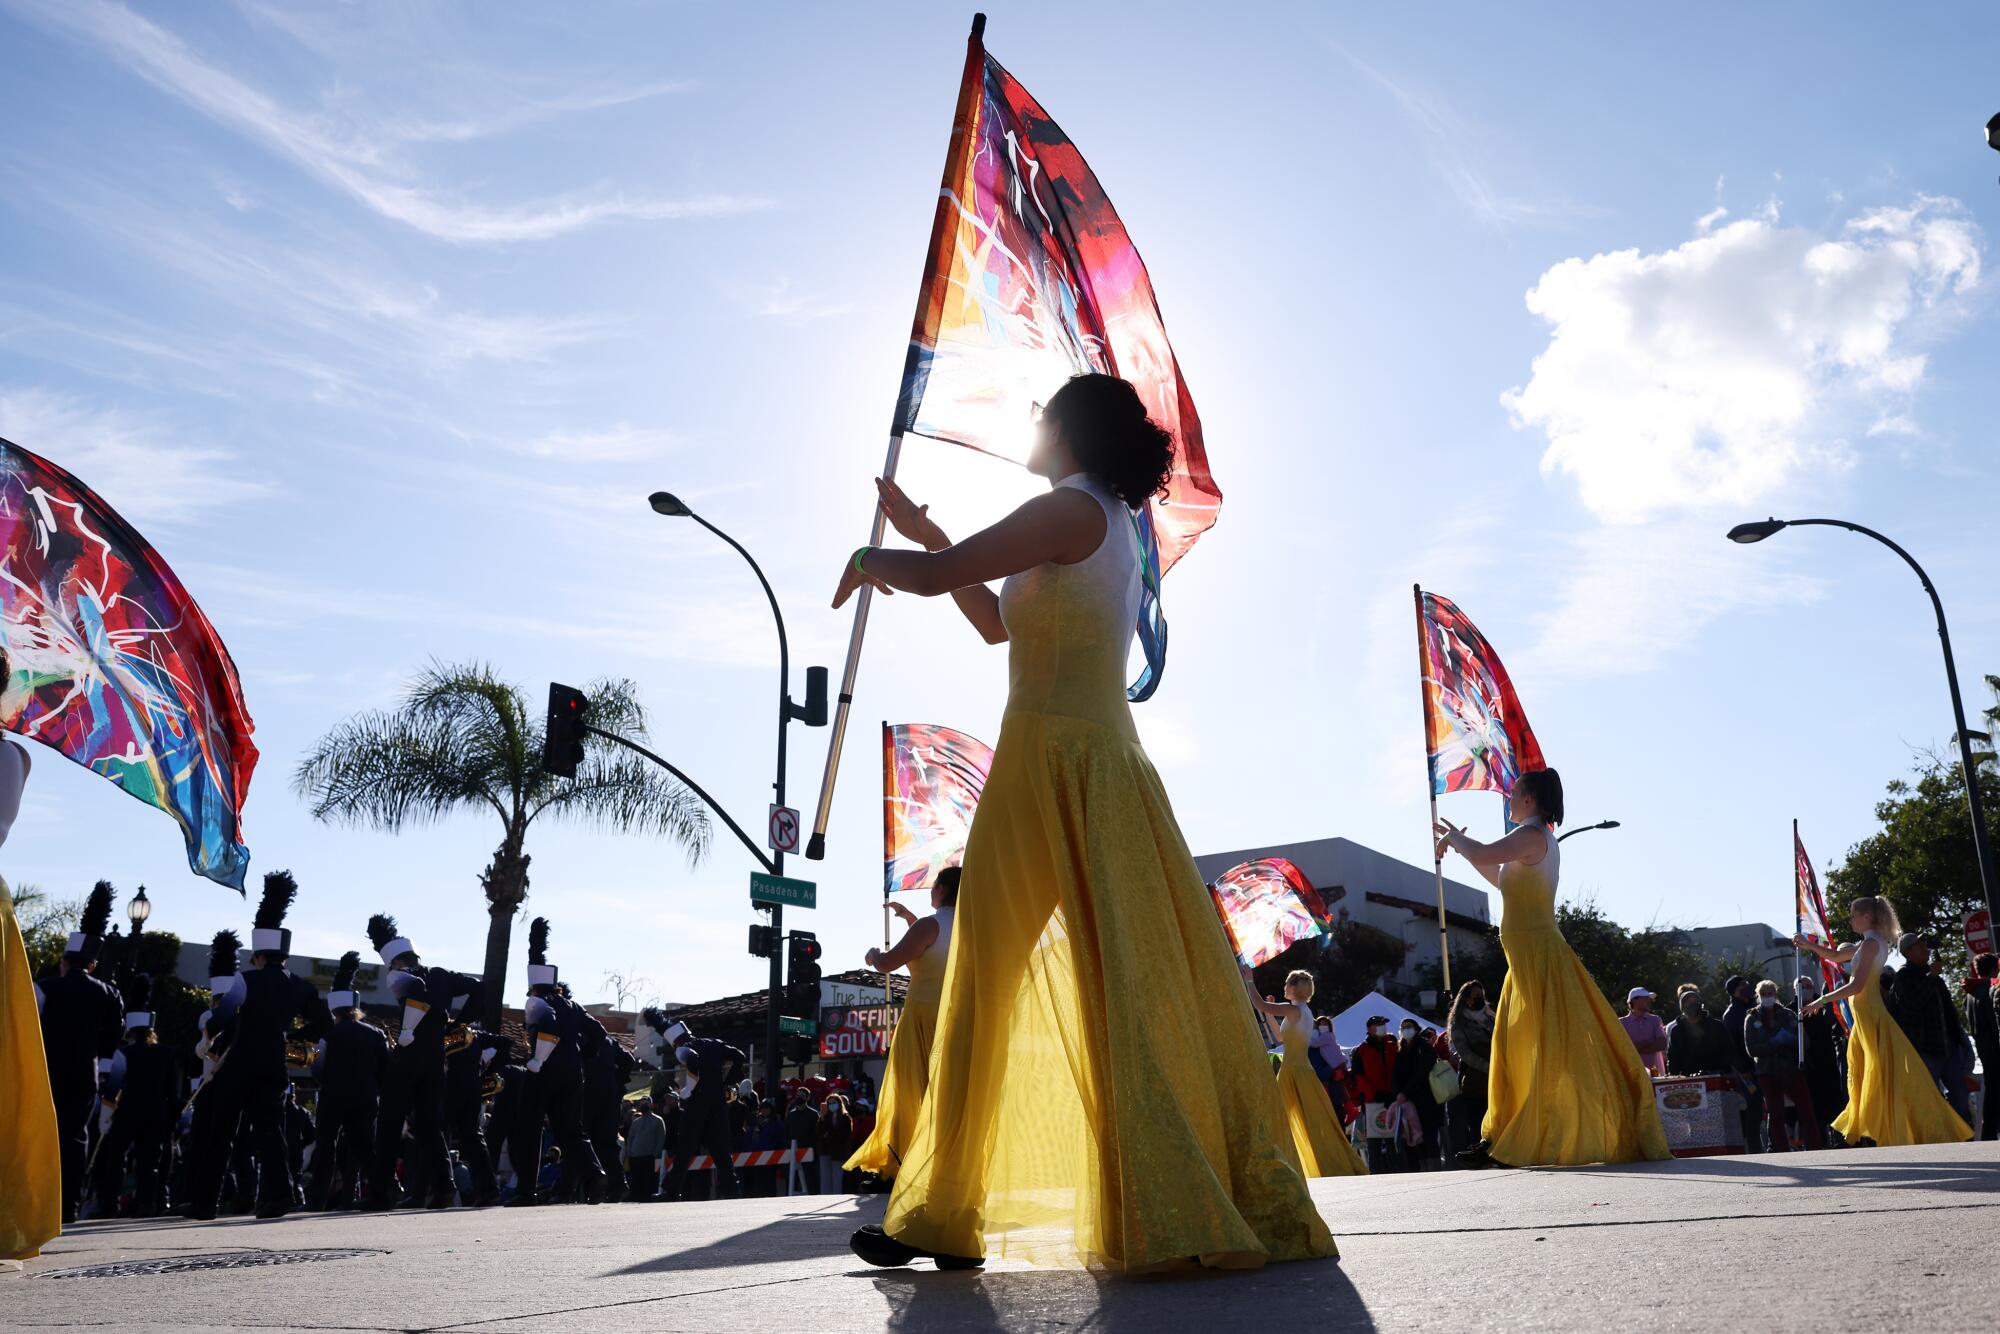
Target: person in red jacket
x,y
1374,1067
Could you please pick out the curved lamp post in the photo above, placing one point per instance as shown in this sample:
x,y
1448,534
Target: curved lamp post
x,y
1982,852
1584,829
812,712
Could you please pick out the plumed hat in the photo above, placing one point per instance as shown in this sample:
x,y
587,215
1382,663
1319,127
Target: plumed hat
x,y
268,934
88,938
382,934
341,997
138,992
541,973
222,960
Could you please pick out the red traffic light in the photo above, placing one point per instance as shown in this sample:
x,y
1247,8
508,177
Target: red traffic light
x,y
562,735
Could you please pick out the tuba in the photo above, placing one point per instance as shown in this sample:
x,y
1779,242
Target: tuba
x,y
457,1037
489,1088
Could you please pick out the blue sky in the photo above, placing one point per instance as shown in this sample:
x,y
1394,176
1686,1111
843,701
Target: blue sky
x,y
382,323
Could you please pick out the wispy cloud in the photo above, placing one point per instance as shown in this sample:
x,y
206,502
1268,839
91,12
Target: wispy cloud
x,y
357,157
1456,147
619,443
777,301
136,464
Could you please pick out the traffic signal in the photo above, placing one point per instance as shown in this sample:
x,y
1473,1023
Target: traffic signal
x,y
562,738
802,985
800,1050
763,941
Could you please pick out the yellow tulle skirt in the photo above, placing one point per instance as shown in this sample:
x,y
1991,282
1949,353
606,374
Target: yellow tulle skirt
x,y
1566,1086
1098,1093
1323,1146
901,1098
30,1150
1891,1097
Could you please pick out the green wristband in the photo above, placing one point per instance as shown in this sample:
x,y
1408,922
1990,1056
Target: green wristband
x,y
859,553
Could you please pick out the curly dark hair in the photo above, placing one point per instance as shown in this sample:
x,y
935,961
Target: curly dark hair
x,y
1105,425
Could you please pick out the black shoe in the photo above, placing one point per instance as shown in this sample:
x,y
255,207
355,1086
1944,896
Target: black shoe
x,y
275,1209
1864,1143
486,1199
1479,1155
883,1251
199,1213
441,1198
524,1200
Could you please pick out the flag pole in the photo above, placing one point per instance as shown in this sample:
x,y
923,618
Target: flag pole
x,y
1798,929
1437,857
923,337
888,835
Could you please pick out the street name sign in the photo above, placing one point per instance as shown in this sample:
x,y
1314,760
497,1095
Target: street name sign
x,y
783,890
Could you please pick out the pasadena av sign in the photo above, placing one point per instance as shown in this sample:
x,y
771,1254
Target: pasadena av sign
x,y
856,1032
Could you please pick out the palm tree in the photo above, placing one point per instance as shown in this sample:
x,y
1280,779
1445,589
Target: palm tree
x,y
462,739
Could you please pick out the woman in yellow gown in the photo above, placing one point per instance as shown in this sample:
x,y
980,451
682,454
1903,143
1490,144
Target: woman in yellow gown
x,y
1097,1093
1324,1149
1891,1097
924,948
30,1147
1565,1085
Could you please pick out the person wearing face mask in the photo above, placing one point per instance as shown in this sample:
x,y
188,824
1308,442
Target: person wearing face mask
x,y
1771,1036
1696,1044
1374,1067
1470,1027
1415,1058
1564,1089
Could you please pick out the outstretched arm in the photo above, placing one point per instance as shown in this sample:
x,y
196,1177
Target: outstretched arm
x,y
1528,844
1062,527
1837,953
914,942
1865,957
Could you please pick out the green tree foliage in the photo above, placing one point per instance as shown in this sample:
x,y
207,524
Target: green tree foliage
x,y
45,925
462,740
1922,857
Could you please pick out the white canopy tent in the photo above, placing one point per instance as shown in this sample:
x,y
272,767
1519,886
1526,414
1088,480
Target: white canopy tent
x,y
1350,1026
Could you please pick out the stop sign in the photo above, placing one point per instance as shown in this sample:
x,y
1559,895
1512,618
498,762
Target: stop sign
x,y
1979,932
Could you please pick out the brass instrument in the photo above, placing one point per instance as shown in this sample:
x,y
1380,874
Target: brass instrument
x,y
300,1052
457,1037
489,1088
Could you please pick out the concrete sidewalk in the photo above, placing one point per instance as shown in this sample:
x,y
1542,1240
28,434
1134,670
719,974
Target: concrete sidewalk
x,y
1880,1239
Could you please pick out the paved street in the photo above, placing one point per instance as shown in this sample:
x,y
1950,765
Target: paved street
x,y
1876,1239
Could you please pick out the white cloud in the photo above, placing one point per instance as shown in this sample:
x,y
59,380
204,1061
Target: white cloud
x,y
139,470
1716,372
777,301
354,156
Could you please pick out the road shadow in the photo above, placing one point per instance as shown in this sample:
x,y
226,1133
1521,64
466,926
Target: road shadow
x,y
1312,1294
811,1235
1968,1173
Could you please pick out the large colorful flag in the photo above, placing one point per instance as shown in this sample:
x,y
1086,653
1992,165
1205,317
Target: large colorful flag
x,y
1267,906
1476,734
115,666
1032,279
1810,914
931,781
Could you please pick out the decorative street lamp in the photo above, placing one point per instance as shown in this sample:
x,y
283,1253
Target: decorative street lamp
x,y
1747,533
1601,824
138,910
813,714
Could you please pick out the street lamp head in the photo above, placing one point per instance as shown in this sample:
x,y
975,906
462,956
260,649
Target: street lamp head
x,y
140,908
1746,533
1993,134
1609,824
669,504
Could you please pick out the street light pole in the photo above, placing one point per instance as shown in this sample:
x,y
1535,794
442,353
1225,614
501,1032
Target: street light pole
x,y
1601,824
1982,851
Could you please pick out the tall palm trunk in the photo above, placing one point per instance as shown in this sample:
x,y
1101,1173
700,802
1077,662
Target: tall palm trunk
x,y
505,881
